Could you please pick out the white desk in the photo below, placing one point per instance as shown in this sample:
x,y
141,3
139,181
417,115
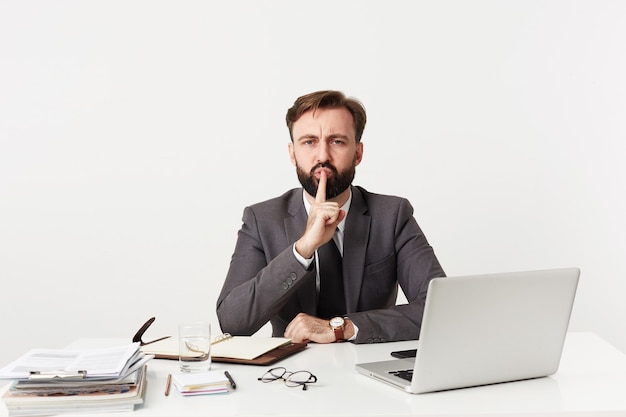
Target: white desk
x,y
591,381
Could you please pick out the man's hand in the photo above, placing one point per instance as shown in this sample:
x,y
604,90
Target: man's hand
x,y
305,328
324,217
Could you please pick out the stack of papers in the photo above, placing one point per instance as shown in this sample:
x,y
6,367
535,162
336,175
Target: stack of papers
x,y
51,381
203,383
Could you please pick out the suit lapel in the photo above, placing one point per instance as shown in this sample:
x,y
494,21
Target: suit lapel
x,y
295,222
356,239
296,217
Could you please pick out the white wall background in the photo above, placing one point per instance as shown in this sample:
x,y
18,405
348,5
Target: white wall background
x,y
133,133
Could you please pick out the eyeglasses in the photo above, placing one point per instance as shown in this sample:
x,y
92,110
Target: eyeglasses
x,y
292,379
139,335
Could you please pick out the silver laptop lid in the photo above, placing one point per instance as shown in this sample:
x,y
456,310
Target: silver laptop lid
x,y
486,329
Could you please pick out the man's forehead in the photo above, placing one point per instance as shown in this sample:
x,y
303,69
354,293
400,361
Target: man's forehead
x,y
328,121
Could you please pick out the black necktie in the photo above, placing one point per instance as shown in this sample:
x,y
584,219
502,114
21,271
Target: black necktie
x,y
331,300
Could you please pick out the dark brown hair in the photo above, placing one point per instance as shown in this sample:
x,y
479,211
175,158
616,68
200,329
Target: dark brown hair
x,y
327,100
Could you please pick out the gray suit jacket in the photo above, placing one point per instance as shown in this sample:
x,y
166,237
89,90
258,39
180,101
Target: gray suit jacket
x,y
383,248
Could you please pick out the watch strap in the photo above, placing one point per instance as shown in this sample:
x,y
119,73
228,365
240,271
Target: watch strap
x,y
339,334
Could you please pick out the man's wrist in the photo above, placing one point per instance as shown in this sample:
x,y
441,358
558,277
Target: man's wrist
x,y
306,263
303,251
348,329
343,328
337,324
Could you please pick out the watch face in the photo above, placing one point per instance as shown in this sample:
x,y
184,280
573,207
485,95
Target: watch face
x,y
336,322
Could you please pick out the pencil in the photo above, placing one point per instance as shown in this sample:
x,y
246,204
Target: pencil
x,y
168,384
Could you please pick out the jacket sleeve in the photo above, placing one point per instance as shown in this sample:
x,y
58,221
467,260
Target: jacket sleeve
x,y
263,275
412,262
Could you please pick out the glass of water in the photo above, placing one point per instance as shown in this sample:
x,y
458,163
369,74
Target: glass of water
x,y
194,346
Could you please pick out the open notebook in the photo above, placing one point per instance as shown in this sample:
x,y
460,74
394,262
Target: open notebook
x,y
486,329
252,350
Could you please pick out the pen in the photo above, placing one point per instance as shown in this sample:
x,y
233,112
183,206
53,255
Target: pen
x,y
230,378
168,384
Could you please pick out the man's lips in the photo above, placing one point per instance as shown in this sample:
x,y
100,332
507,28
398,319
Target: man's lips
x,y
318,172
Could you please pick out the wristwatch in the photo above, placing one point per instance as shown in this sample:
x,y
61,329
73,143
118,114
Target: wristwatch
x,y
336,324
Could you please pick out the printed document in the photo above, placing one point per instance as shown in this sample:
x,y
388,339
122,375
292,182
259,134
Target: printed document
x,y
63,363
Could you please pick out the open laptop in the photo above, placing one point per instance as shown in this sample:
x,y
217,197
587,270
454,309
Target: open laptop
x,y
486,329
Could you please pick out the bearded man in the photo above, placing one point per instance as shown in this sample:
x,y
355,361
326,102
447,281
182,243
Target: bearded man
x,y
323,262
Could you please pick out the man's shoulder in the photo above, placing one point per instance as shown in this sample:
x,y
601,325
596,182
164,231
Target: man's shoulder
x,y
283,202
376,199
382,209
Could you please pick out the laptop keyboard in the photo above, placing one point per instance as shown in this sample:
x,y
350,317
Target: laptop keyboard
x,y
404,374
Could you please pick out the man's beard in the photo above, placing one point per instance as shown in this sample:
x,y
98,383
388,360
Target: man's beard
x,y
335,184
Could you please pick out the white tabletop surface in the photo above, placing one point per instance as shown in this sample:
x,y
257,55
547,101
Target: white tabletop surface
x,y
591,381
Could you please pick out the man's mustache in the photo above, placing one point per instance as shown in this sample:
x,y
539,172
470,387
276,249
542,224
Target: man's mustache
x,y
324,165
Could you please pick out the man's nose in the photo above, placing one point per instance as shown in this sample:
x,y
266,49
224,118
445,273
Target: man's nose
x,y
323,154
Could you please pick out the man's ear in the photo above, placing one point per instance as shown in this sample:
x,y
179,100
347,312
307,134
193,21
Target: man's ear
x,y
292,156
358,156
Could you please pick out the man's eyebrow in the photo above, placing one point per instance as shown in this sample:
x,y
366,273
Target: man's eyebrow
x,y
307,136
338,135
